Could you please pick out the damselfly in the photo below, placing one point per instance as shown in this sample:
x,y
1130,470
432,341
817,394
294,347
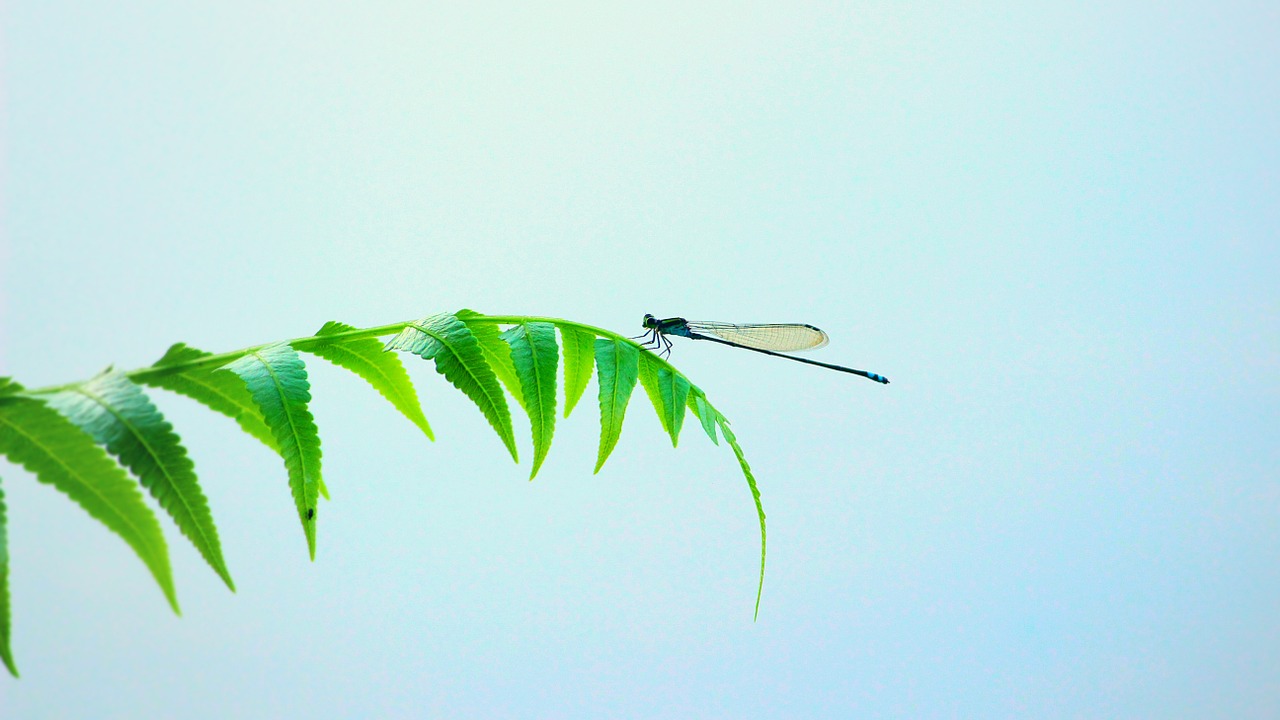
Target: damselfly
x,y
768,339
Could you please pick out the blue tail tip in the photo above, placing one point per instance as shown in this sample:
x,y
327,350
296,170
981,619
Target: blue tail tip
x,y
879,378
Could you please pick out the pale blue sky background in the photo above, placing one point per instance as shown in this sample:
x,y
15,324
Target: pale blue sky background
x,y
1053,226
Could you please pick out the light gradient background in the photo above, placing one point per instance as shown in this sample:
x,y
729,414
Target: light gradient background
x,y
1052,225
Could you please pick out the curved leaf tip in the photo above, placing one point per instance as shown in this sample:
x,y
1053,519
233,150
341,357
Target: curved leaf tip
x,y
730,438
6,650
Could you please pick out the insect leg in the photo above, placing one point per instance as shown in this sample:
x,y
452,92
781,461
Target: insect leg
x,y
666,350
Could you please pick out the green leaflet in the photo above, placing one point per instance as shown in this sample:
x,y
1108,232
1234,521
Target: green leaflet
x,y
674,388
57,452
6,634
218,391
704,412
667,391
277,379
755,494
458,356
383,370
536,358
649,381
579,357
617,362
496,352
118,415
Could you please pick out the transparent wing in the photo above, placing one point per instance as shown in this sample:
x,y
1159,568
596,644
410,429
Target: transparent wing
x,y
783,337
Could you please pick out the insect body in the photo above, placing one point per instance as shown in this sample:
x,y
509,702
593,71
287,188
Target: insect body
x,y
770,339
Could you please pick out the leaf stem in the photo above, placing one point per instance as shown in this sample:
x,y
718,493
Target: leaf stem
x,y
306,341
220,359
513,319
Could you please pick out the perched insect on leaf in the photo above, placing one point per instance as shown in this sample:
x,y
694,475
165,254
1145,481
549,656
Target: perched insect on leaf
x,y
773,339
